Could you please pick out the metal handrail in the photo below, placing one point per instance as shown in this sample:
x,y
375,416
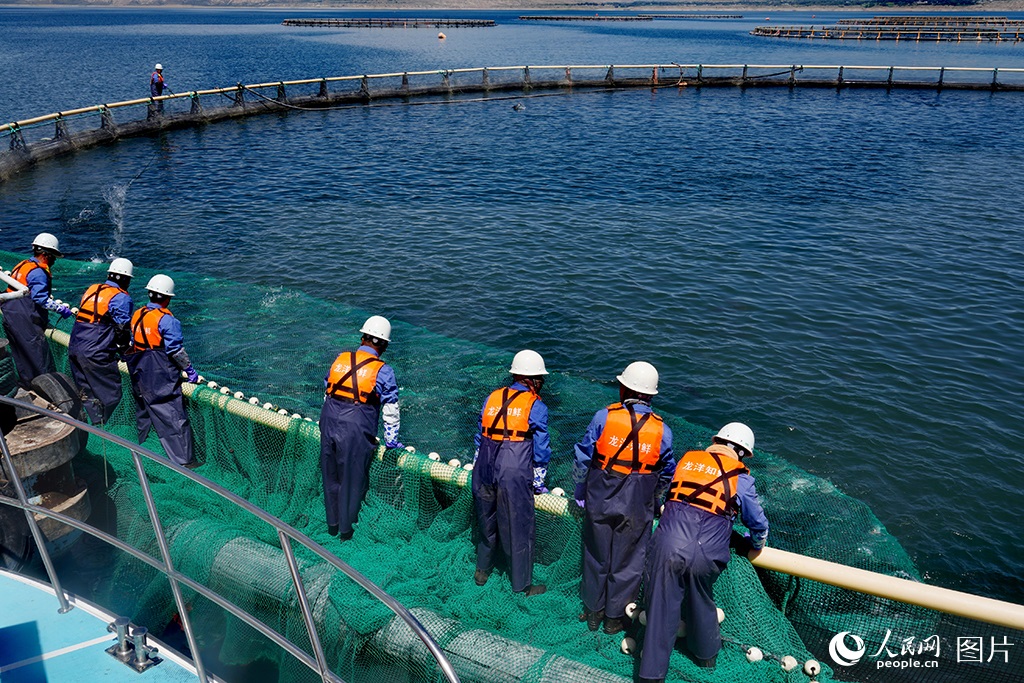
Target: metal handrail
x,y
286,534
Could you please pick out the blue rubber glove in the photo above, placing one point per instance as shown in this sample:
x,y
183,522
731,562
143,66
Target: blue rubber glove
x,y
394,444
64,310
191,374
539,475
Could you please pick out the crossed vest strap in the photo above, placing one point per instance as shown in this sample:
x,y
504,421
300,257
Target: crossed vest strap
x,y
96,302
715,495
142,340
637,452
515,424
346,386
20,273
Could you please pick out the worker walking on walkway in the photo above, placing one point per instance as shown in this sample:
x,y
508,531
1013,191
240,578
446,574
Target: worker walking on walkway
x,y
510,467
100,337
26,318
623,465
155,363
157,85
361,389
690,548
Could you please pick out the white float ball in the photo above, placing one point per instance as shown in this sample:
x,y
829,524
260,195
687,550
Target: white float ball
x,y
239,395
754,654
201,379
434,455
643,618
681,630
557,491
75,310
410,449
225,391
308,419
468,467
296,416
812,667
213,385
789,663
268,406
282,412
628,646
721,615
454,462
631,610
255,401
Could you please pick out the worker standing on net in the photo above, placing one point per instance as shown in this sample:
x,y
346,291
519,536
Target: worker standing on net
x,y
623,467
100,337
157,85
509,468
155,362
361,389
690,548
26,318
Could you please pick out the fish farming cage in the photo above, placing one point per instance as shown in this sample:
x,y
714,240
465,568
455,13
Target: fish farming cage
x,y
415,536
28,141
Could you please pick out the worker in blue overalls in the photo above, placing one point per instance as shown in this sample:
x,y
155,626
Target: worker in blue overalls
x,y
690,548
361,390
509,468
100,337
155,363
157,85
26,318
623,467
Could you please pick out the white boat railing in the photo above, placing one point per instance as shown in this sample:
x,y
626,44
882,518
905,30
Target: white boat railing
x,y
176,579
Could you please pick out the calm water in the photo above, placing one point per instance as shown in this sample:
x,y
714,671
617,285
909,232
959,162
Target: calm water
x,y
839,270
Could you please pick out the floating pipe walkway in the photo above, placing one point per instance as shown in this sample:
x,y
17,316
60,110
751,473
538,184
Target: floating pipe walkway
x,y
893,588
906,33
30,141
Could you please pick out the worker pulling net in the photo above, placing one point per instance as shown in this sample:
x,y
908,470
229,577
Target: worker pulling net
x,y
414,537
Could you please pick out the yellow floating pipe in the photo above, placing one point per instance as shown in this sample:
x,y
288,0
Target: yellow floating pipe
x,y
892,588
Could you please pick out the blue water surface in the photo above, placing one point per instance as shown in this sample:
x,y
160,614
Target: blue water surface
x,y
841,270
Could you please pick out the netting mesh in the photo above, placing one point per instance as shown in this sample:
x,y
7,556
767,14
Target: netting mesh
x,y
414,536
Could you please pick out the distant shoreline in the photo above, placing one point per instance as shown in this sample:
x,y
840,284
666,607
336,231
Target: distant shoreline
x,y
519,5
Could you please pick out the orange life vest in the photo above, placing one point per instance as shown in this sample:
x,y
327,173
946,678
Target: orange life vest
x,y
629,443
506,414
354,376
146,328
708,480
21,271
96,302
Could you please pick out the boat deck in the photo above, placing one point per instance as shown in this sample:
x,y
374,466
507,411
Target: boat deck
x,y
38,644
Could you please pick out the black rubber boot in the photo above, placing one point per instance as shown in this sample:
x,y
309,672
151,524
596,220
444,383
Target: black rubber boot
x,y
707,663
593,619
535,589
613,625
480,577
332,529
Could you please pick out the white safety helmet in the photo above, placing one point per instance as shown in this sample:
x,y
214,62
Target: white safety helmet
x,y
159,67
377,326
641,377
45,240
737,434
528,364
161,284
121,266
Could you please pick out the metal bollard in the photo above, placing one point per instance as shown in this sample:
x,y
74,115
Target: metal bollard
x,y
121,628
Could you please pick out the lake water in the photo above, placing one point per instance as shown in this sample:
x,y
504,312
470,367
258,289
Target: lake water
x,y
840,270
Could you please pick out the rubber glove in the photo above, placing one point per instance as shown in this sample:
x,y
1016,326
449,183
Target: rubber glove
x,y
394,444
191,374
539,475
64,310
